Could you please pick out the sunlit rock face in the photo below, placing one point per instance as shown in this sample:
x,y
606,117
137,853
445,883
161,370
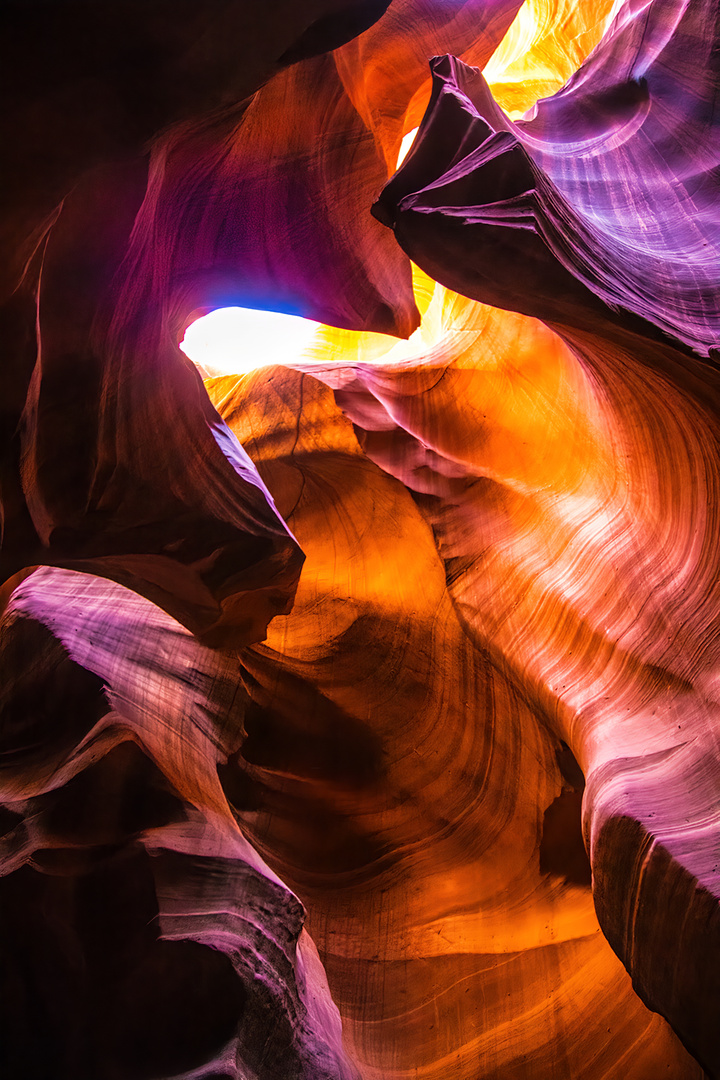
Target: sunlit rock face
x,y
358,711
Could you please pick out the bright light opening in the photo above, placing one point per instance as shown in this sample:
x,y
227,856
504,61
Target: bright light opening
x,y
405,145
234,340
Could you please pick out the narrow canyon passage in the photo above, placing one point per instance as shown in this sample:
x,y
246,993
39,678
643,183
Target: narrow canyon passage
x,y
359,679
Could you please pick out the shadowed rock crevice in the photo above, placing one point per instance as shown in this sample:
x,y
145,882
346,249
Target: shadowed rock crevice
x,y
89,987
562,851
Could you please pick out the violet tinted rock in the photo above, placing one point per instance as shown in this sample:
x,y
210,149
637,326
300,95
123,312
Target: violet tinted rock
x,y
608,192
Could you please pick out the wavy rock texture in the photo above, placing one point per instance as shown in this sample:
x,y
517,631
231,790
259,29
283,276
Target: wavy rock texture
x,y
502,650
453,911
627,681
91,491
607,192
167,940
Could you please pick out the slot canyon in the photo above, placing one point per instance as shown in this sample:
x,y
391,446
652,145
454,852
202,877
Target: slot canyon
x,y
360,694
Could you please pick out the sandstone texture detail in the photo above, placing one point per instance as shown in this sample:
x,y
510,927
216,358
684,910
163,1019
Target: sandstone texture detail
x,y
360,715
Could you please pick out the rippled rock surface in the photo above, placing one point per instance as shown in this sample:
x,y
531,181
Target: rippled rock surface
x,y
358,716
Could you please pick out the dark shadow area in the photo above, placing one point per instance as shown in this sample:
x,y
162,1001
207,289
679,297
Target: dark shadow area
x,y
90,992
47,701
562,849
110,801
296,729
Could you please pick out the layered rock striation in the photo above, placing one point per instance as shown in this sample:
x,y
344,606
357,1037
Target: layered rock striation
x,y
358,718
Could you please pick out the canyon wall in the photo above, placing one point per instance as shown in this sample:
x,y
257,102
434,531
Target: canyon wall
x,y
357,715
